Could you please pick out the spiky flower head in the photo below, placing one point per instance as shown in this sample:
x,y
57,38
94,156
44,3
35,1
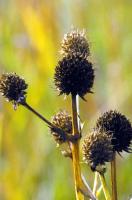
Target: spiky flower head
x,y
117,125
97,150
75,43
62,120
13,88
74,75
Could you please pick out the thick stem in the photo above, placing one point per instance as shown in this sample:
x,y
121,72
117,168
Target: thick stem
x,y
113,178
75,153
105,188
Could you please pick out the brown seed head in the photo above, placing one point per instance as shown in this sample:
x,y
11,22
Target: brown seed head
x,y
13,88
97,149
74,75
64,121
75,43
119,127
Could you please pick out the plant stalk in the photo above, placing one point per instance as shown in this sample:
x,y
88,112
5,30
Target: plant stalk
x,y
95,183
113,178
75,153
98,191
105,188
87,190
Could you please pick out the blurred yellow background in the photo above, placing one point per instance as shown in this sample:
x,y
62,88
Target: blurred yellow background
x,y
31,167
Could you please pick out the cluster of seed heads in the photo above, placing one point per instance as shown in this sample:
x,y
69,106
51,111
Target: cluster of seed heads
x,y
112,133
74,74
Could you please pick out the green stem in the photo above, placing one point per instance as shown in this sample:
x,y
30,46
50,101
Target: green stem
x,y
87,190
105,188
113,178
99,191
95,183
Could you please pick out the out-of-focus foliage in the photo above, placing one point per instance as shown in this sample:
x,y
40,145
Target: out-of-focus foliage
x,y
31,167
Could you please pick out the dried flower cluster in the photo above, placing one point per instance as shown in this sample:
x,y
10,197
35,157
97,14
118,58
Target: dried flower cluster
x,y
64,121
13,88
75,43
116,124
74,73
97,150
112,132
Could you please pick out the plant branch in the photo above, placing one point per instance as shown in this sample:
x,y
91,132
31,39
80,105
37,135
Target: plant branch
x,y
75,153
63,134
113,178
105,188
37,114
52,126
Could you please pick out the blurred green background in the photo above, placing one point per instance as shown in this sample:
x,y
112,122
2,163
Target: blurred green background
x,y
31,167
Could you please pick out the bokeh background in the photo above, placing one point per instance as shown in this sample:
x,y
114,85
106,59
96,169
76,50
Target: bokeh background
x,y
31,167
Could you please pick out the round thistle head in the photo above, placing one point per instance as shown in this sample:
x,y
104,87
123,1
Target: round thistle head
x,y
74,75
64,121
13,88
117,125
97,149
75,43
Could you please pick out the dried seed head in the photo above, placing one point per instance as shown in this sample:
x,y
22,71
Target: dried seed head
x,y
64,121
75,43
117,125
97,149
74,75
13,88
